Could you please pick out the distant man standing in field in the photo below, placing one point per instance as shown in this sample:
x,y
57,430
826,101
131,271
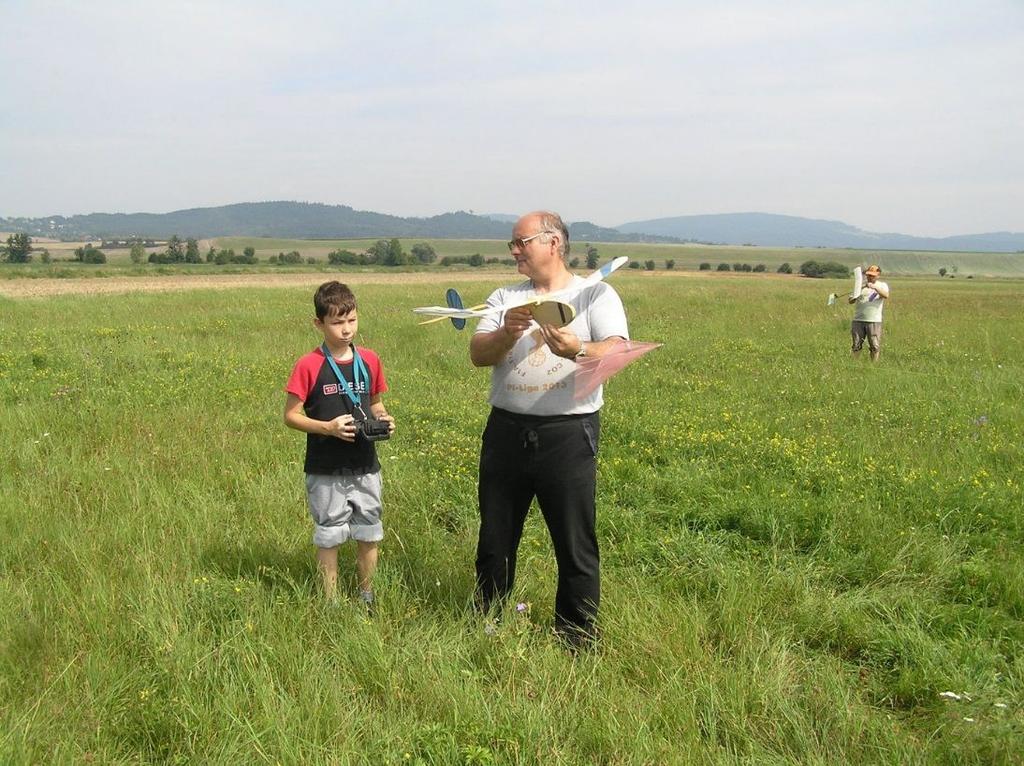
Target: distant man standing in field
x,y
334,396
867,317
540,441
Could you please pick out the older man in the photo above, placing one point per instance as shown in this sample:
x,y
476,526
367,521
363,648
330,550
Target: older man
x,y
867,316
540,441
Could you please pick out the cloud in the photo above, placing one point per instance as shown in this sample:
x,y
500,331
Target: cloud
x,y
605,111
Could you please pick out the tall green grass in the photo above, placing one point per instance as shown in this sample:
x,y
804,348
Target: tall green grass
x,y
801,551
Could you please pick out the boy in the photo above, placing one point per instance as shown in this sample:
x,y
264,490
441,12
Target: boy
x,y
331,390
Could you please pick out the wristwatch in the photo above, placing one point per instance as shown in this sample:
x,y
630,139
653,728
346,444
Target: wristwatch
x,y
582,352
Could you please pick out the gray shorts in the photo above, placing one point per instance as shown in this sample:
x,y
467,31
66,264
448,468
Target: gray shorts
x,y
343,506
870,330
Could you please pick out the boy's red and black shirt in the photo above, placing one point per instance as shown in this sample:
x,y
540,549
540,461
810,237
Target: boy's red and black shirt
x,y
314,382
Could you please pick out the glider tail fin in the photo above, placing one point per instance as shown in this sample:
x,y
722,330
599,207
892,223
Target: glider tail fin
x,y
455,302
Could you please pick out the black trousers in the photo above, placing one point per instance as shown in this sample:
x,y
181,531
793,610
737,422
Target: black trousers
x,y
555,460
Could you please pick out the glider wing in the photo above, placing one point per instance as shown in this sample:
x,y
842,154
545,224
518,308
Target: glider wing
x,y
858,282
592,279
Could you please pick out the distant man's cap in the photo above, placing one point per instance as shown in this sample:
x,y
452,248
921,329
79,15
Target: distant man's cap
x,y
873,269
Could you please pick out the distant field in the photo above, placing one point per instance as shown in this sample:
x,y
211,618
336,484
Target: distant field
x,y
807,559
686,257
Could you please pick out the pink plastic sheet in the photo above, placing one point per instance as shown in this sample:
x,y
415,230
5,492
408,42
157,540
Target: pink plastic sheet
x,y
590,373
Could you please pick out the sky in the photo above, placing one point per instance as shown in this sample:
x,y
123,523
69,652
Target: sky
x,y
890,116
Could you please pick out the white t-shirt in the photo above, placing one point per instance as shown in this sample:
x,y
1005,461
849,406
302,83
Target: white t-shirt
x,y
531,379
868,307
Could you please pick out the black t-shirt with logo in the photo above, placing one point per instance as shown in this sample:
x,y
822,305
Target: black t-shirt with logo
x,y
314,382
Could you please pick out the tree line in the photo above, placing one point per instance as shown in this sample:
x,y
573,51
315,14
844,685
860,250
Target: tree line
x,y
383,252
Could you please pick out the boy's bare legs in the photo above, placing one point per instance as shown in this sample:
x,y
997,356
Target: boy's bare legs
x,y
366,565
327,563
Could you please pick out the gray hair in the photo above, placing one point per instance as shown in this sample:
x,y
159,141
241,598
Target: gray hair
x,y
552,223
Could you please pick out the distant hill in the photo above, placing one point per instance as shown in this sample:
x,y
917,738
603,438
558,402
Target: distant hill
x,y
768,230
289,220
299,220
584,231
306,220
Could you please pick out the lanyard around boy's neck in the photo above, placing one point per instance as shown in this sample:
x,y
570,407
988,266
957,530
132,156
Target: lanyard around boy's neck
x,y
359,374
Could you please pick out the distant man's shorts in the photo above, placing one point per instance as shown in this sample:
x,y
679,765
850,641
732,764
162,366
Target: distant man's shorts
x,y
344,506
870,330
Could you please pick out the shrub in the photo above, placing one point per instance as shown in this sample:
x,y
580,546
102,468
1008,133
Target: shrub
x,y
785,269
649,265
19,248
394,255
473,260
423,252
819,269
760,268
634,264
670,264
704,267
723,267
90,254
192,251
339,257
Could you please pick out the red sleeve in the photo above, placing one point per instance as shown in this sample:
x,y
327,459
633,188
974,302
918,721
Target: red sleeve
x,y
376,370
304,374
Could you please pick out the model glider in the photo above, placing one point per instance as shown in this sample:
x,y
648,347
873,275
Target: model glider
x,y
592,372
554,309
544,312
858,285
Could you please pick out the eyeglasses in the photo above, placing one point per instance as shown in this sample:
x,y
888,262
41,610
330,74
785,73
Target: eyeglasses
x,y
520,242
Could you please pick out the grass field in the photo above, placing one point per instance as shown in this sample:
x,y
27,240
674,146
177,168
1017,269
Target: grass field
x,y
801,552
685,257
